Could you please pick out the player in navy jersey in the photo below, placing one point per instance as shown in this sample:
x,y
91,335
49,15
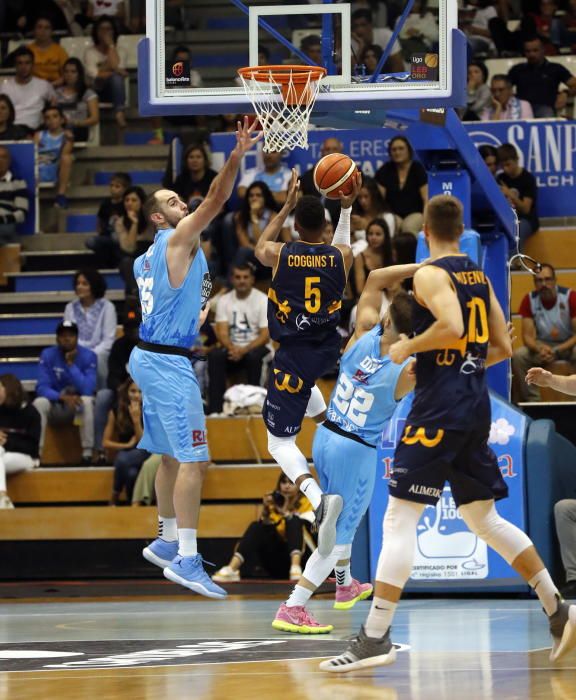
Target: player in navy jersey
x,y
368,388
174,287
304,303
460,330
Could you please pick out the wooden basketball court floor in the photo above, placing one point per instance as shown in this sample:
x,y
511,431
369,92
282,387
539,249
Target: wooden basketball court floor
x,y
179,648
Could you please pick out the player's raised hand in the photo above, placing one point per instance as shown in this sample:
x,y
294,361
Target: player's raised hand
x,y
400,350
347,200
539,376
293,191
245,136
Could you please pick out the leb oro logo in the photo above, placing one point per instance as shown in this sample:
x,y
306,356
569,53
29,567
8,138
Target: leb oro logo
x,y
178,69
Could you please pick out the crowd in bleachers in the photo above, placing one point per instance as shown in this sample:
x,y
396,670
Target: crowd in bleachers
x,y
56,100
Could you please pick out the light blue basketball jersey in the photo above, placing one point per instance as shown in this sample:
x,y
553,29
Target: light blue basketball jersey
x,y
170,314
363,398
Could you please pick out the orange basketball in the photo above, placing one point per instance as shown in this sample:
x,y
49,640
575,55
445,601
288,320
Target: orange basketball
x,y
334,174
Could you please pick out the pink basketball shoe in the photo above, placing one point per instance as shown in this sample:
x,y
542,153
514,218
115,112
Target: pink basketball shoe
x,y
298,619
348,596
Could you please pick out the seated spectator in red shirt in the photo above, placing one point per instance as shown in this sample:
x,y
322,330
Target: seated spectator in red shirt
x,y
520,189
548,329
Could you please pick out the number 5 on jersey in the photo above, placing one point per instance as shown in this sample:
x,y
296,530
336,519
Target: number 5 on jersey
x,y
145,285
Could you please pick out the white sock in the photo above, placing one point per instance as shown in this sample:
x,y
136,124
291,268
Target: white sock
x,y
546,591
299,596
167,529
187,545
380,617
312,491
343,575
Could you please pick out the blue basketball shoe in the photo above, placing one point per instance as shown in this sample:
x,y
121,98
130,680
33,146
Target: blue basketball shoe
x,y
189,572
161,552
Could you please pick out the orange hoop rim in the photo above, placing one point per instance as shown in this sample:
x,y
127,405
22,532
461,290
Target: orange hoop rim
x,y
283,74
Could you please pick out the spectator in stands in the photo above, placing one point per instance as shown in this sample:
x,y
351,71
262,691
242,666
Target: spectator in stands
x,y
111,9
79,103
419,34
94,316
242,331
404,253
329,145
195,175
568,27
14,199
479,95
73,12
28,94
378,253
49,57
537,81
55,145
364,33
122,433
66,385
370,57
311,45
273,544
256,210
505,105
8,130
275,174
105,245
133,235
404,183
545,24
370,205
520,189
117,375
478,29
548,329
565,518
19,433
106,67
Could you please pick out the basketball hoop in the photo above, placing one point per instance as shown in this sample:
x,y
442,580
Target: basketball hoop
x,y
283,98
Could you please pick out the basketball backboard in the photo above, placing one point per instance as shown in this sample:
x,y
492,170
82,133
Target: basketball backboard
x,y
229,35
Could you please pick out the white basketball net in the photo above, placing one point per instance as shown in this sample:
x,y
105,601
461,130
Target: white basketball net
x,y
283,108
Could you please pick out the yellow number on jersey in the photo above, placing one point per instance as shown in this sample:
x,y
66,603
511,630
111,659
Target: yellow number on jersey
x,y
478,321
312,301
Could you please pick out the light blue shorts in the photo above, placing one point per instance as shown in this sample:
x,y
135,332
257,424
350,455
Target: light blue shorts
x,y
174,422
348,468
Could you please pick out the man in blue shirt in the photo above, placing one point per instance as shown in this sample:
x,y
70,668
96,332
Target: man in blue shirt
x,y
66,385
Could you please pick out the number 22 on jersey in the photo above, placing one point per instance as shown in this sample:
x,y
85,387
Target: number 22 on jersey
x,y
352,402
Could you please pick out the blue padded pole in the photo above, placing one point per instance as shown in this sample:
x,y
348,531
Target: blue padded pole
x,y
388,49
264,25
328,42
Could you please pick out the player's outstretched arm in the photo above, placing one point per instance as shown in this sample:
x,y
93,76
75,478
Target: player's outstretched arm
x,y
267,249
188,230
433,287
542,377
341,238
368,313
500,347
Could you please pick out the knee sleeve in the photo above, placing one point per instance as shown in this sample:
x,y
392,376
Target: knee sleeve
x,y
399,542
316,403
483,520
287,454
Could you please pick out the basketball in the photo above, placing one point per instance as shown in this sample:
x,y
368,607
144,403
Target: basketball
x,y
334,173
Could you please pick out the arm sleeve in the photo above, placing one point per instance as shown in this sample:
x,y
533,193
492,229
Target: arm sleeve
x,y
83,375
342,233
44,386
109,323
525,310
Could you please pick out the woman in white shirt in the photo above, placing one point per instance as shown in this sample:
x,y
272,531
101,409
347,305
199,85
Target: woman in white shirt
x,y
105,67
95,317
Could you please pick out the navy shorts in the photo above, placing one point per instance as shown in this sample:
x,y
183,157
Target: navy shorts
x,y
293,373
426,459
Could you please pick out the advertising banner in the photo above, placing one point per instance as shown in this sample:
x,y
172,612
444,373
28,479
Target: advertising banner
x,y
447,553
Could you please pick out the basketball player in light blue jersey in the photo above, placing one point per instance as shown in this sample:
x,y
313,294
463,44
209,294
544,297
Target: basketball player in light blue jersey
x,y
174,287
368,388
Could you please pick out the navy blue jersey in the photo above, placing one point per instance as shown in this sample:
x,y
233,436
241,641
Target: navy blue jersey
x,y
305,297
451,391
